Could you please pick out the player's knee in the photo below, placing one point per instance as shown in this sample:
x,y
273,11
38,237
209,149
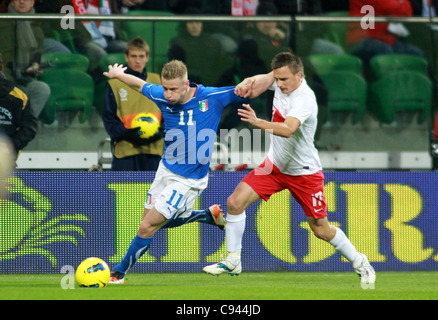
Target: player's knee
x,y
234,205
320,233
145,230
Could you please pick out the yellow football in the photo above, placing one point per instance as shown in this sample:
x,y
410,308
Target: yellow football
x,y
148,124
92,273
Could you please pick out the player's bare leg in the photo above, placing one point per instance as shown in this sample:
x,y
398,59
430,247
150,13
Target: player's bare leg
x,y
237,203
241,198
322,229
152,222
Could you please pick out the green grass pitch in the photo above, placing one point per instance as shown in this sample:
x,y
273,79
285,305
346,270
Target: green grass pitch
x,y
247,286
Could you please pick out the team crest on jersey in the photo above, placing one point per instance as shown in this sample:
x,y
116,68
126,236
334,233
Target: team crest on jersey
x,y
203,105
149,198
123,94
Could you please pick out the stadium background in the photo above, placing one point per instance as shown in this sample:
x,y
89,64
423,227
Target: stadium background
x,y
54,219
57,218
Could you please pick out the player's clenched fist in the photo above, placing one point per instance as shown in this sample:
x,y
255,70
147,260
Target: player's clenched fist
x,y
244,88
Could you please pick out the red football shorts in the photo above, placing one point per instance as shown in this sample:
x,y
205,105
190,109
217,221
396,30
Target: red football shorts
x,y
307,190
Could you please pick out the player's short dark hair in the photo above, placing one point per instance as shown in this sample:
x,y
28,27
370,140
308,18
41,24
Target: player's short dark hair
x,y
137,43
289,59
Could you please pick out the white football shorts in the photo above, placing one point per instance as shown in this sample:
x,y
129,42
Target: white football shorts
x,y
173,195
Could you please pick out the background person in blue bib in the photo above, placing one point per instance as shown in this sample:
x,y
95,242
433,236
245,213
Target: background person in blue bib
x,y
191,114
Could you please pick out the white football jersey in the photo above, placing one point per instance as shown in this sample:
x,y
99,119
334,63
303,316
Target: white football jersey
x,y
297,154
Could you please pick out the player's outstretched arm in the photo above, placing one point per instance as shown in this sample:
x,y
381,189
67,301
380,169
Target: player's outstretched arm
x,y
283,129
254,86
118,72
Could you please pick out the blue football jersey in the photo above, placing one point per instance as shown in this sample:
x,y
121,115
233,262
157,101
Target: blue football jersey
x,y
190,128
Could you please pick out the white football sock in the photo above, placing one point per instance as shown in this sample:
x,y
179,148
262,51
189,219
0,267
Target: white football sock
x,y
234,231
343,245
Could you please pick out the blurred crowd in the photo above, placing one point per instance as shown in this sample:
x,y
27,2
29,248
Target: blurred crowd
x,y
216,53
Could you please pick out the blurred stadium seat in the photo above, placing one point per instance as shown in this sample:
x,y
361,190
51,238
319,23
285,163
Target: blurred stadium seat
x,y
401,93
64,36
347,93
157,34
347,89
72,91
325,63
381,65
336,31
100,88
67,61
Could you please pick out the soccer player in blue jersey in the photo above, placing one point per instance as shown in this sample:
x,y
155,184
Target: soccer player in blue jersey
x,y
191,115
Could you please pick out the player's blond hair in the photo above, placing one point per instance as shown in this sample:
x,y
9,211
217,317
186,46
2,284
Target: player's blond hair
x,y
289,59
174,69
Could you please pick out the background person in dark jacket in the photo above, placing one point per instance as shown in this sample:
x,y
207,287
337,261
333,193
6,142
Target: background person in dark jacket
x,y
17,119
191,41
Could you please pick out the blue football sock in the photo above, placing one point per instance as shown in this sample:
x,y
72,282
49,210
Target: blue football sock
x,y
196,215
137,248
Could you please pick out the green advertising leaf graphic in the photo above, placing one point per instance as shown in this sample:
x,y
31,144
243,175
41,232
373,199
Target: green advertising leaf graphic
x,y
26,230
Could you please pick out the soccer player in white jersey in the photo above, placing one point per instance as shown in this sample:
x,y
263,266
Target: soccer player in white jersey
x,y
292,163
191,114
